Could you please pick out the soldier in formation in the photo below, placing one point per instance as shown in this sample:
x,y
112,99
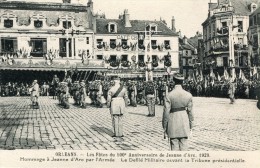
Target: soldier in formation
x,y
150,90
63,95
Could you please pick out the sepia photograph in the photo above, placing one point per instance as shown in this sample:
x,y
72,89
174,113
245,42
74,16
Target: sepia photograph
x,y
129,81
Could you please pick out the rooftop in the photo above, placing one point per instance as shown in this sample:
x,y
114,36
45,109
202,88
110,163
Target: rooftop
x,y
241,7
137,25
50,6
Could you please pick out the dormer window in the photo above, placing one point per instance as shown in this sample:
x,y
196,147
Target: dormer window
x,y
151,27
8,23
37,23
66,24
112,27
253,7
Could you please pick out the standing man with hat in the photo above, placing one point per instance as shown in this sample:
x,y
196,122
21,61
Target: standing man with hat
x,y
178,116
231,90
150,97
116,100
35,94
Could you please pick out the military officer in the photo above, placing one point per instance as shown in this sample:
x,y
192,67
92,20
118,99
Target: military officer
x,y
116,100
83,94
54,83
177,115
150,97
231,90
35,94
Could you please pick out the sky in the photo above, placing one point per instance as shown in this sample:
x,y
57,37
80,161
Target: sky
x,y
188,14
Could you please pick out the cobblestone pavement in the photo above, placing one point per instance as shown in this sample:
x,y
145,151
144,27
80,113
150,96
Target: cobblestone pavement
x,y
218,126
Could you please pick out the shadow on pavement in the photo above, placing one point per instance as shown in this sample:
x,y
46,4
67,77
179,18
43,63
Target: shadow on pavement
x,y
102,130
137,114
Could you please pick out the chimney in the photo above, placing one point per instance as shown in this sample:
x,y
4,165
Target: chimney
x,y
173,25
185,40
121,17
66,1
179,33
90,5
127,18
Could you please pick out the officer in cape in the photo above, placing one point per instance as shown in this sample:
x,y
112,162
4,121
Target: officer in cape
x,y
116,101
177,118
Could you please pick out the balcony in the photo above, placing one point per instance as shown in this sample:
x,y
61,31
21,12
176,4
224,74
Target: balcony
x,y
223,31
225,8
241,47
55,64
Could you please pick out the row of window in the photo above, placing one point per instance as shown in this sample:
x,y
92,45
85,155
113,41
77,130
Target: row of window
x,y
211,30
112,28
112,58
125,42
8,23
38,46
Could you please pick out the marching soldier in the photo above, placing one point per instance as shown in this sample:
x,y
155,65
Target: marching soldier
x,y
83,94
162,93
99,93
132,92
150,97
177,119
55,82
116,100
64,95
35,94
140,89
231,91
105,88
76,93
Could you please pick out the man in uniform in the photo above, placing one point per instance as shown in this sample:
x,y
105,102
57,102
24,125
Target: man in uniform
x,y
64,95
231,90
150,97
83,94
55,82
132,92
178,116
35,94
163,89
116,100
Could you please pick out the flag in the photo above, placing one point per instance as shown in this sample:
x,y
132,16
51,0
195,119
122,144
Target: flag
x,y
243,78
212,75
205,82
219,78
240,74
194,78
148,46
255,73
226,75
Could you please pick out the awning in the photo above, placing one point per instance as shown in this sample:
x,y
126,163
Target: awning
x,y
50,69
